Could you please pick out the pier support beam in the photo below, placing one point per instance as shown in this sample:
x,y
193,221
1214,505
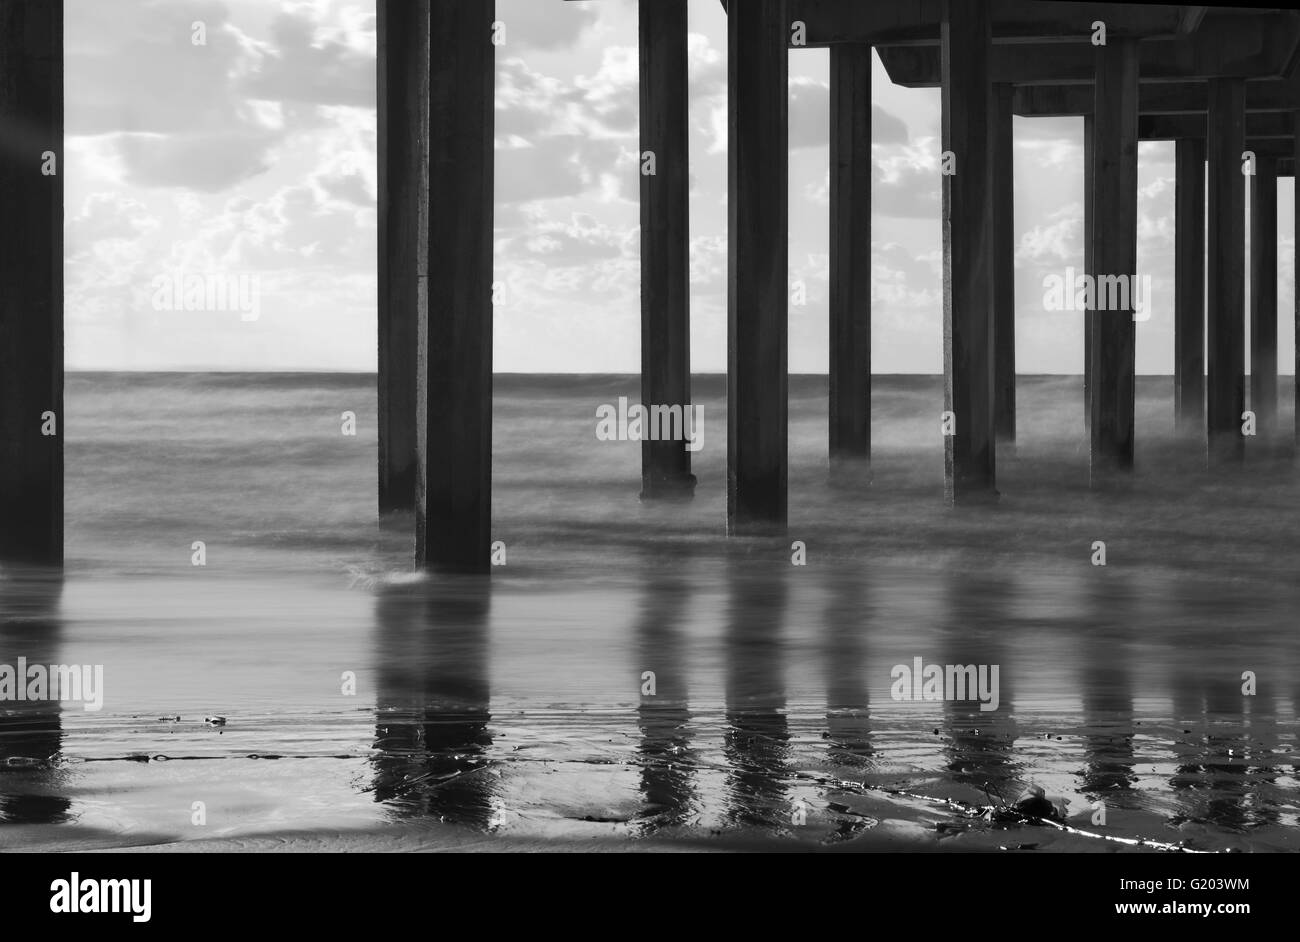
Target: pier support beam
x,y
1296,272
968,341
403,113
1089,152
1263,297
758,225
1004,267
850,261
31,282
1189,285
454,376
665,241
1225,291
1114,256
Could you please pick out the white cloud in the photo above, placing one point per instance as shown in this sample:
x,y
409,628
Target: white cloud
x,y
1054,242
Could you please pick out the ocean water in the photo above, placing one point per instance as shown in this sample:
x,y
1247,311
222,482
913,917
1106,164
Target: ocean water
x,y
367,706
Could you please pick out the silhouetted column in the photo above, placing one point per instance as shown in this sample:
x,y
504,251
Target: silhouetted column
x,y
758,225
1089,151
850,244
1189,284
1114,256
403,114
454,483
1004,266
1295,270
1263,297
1225,321
969,453
31,281
665,241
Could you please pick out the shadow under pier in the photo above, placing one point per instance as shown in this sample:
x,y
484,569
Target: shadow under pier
x,y
978,720
757,736
432,716
668,785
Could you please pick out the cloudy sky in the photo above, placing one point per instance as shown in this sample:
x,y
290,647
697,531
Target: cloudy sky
x,y
255,154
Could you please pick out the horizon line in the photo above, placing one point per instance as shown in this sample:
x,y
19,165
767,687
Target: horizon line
x,y
375,372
